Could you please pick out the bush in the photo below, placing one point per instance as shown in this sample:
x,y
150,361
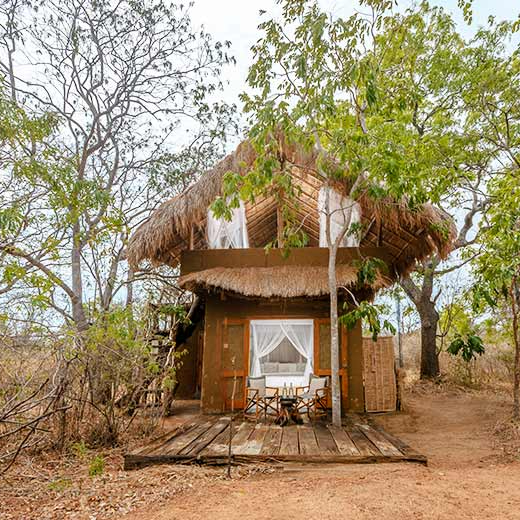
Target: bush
x,y
96,466
74,391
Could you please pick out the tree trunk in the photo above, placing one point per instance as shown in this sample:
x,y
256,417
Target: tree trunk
x,y
516,377
129,305
429,356
78,312
425,305
334,339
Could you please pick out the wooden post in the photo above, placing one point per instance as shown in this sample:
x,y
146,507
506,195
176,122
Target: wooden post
x,y
399,337
231,418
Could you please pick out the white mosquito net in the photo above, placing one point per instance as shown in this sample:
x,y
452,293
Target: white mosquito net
x,y
282,350
224,234
339,207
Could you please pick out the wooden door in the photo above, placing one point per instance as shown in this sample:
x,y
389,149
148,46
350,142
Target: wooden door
x,y
234,366
322,356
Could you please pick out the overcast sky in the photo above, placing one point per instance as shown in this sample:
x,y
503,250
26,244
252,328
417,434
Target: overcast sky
x,y
237,21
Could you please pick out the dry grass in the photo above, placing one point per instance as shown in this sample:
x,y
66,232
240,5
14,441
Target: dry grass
x,y
506,435
492,371
273,282
51,487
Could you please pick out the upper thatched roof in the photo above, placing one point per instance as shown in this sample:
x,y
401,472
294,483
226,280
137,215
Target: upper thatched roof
x,y
408,235
288,281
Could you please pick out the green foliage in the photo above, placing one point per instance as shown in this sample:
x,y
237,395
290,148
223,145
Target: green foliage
x,y
497,113
468,347
169,379
378,94
173,309
79,449
368,270
110,330
369,314
96,466
60,484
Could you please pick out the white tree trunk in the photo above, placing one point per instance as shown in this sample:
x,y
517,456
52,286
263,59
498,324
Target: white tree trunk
x,y
334,339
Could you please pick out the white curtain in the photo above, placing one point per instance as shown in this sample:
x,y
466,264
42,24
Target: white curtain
x,y
301,336
339,207
266,335
224,234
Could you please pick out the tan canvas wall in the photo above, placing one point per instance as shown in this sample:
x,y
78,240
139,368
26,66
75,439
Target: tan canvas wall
x,y
379,374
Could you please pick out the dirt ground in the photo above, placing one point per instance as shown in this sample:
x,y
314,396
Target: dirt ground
x,y
473,473
466,477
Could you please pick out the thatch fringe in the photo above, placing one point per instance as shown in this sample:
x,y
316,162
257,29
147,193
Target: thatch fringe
x,y
289,281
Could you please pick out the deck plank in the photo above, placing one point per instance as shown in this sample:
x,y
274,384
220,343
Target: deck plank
x,y
219,445
289,443
241,436
364,446
384,446
203,440
271,445
308,442
404,448
344,443
184,440
162,440
256,440
325,441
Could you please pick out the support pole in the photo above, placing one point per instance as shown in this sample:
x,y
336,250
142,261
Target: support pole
x,y
399,337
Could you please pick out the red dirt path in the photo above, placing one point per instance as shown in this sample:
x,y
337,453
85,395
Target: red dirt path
x,y
466,477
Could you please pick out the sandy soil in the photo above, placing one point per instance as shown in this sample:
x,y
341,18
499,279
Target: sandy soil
x,y
467,476
471,475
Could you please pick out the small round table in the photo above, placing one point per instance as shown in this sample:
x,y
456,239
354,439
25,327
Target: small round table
x,y
288,411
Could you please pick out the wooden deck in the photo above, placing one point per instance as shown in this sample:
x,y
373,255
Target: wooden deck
x,y
205,440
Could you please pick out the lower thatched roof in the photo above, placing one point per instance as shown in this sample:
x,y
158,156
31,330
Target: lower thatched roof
x,y
291,281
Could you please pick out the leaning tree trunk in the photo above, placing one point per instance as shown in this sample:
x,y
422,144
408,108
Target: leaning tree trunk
x,y
429,355
421,296
78,312
516,337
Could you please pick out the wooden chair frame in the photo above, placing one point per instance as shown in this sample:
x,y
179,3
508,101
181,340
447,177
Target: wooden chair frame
x,y
262,403
317,403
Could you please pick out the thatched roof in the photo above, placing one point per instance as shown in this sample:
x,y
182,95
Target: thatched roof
x,y
408,235
290,281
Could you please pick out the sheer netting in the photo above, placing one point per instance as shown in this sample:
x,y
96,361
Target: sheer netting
x,y
224,234
339,208
266,336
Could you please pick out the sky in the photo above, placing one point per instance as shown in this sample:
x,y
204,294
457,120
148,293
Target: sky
x,y
237,21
